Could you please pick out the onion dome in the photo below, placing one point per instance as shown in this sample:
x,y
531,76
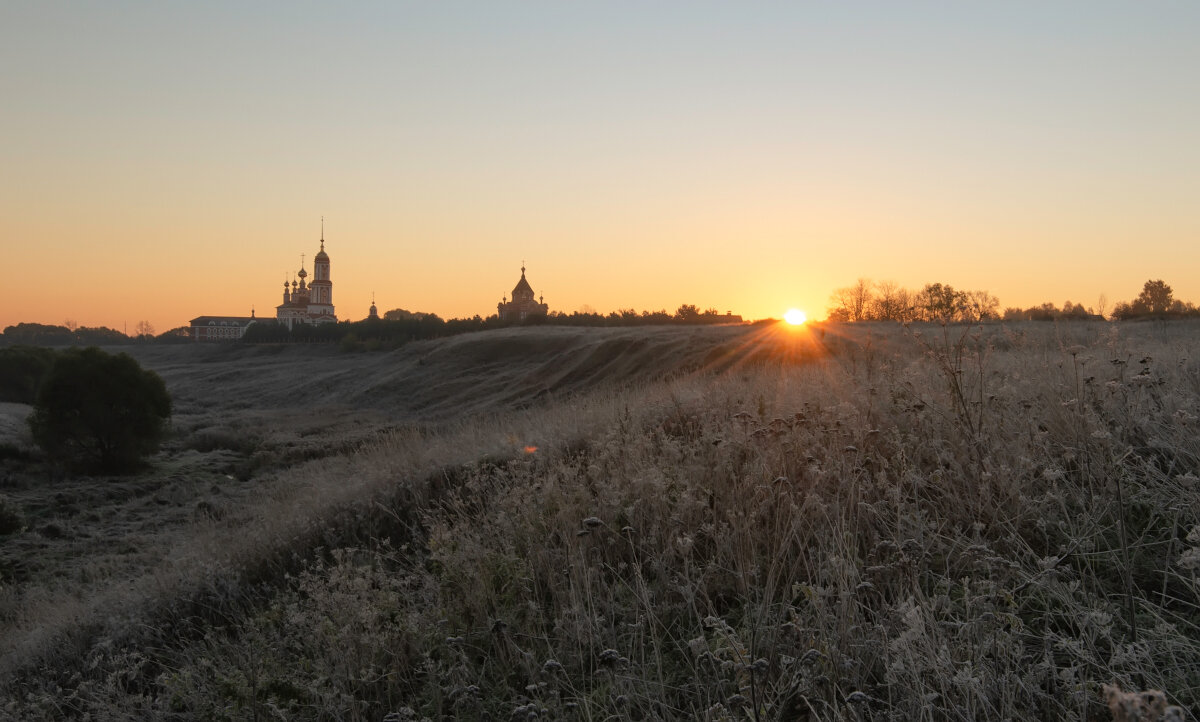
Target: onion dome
x,y
302,274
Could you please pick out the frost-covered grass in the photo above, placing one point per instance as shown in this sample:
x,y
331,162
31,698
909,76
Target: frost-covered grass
x,y
933,523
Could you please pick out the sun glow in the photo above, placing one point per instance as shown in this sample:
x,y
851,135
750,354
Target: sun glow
x,y
795,316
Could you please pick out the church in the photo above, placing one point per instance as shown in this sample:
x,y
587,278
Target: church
x,y
305,302
522,305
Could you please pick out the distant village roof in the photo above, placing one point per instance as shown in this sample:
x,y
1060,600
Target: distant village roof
x,y
224,320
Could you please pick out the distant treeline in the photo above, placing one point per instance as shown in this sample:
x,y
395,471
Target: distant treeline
x,y
40,334
400,326
868,300
396,326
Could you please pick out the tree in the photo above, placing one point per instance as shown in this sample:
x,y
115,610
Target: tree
x,y
100,411
854,301
144,330
1156,298
179,334
941,303
22,369
891,302
980,306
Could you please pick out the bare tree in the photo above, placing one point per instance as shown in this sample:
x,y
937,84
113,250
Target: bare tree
x,y
981,306
1102,306
143,329
853,301
71,324
891,302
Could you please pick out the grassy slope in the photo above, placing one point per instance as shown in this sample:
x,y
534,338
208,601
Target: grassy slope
x,y
258,433
941,525
434,380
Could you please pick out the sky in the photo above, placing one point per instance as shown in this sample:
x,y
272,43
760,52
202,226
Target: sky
x,y
165,160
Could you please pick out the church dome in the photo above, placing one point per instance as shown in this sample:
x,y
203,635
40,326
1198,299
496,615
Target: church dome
x,y
303,273
321,254
523,288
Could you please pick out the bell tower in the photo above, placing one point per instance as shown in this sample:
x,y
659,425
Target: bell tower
x,y
320,300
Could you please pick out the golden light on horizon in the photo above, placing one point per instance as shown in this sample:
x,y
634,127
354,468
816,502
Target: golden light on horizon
x,y
795,316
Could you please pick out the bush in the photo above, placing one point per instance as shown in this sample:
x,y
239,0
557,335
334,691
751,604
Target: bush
x,y
11,521
21,370
98,411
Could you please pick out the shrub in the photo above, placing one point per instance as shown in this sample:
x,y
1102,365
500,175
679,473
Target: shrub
x,y
21,370
11,520
99,411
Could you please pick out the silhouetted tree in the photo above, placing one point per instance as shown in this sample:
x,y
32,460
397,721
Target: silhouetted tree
x,y
891,303
39,334
1156,298
144,331
21,371
179,334
399,314
854,301
100,335
96,410
941,303
980,306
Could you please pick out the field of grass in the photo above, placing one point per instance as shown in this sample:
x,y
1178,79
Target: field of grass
x,y
864,522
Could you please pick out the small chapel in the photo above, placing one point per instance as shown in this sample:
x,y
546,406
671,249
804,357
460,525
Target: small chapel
x,y
522,305
309,302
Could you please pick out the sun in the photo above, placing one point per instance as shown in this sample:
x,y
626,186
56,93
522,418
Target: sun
x,y
795,316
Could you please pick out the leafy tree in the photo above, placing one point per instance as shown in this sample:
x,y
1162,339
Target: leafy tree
x,y
21,371
1156,298
100,334
39,334
100,411
179,334
400,314
941,303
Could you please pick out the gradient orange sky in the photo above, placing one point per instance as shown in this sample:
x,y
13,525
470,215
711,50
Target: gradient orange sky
x,y
162,161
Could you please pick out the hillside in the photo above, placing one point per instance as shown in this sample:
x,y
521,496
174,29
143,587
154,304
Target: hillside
x,y
258,428
875,522
441,379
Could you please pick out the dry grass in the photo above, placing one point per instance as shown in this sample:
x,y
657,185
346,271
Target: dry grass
x,y
970,523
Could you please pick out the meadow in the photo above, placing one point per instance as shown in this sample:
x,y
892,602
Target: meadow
x,y
859,522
